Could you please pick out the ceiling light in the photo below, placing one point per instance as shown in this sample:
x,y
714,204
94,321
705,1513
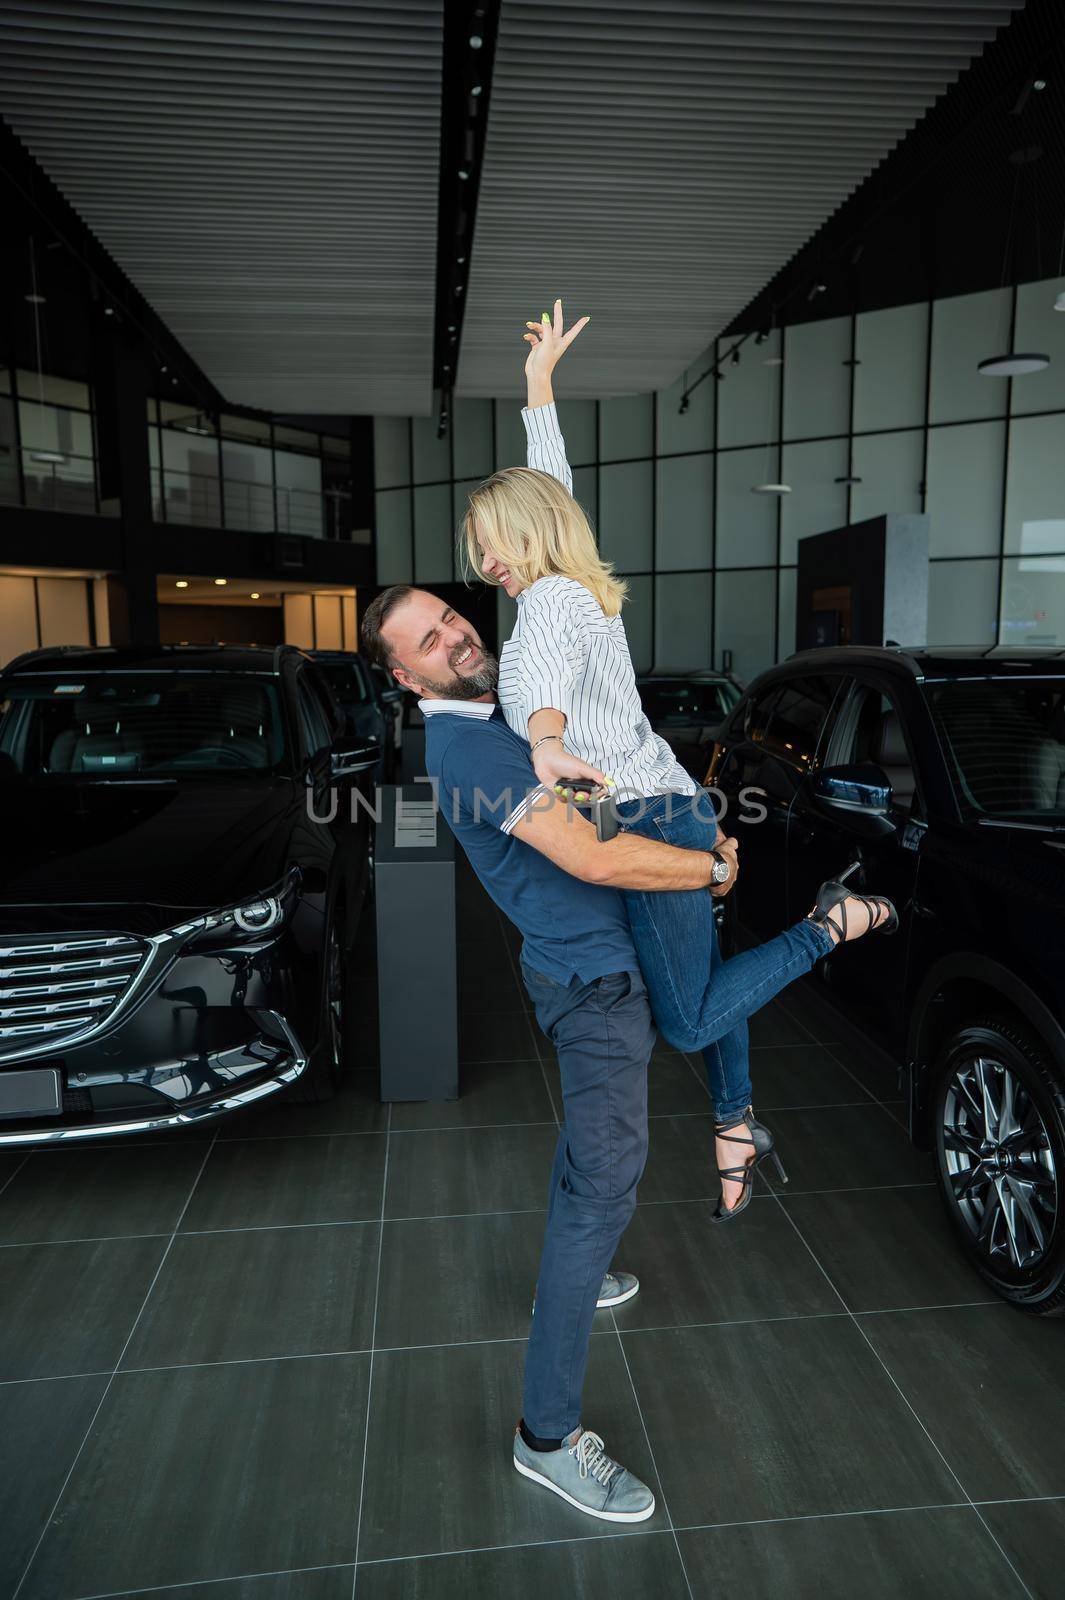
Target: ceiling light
x,y
109,311
254,594
476,41
761,336
36,299
463,174
181,583
221,581
451,327
460,261
53,456
771,488
476,89
198,427
773,361
1014,365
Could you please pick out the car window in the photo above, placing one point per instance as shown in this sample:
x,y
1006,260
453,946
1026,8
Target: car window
x,y
758,712
796,718
347,679
317,734
1005,745
682,702
871,731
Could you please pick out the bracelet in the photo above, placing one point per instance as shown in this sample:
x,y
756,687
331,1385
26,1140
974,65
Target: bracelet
x,y
543,740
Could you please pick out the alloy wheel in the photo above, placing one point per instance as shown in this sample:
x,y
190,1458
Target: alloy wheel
x,y
999,1164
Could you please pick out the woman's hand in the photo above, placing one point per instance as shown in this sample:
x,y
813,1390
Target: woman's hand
x,y
549,343
556,768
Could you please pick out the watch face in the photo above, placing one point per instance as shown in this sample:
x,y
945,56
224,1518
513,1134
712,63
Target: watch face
x,y
720,872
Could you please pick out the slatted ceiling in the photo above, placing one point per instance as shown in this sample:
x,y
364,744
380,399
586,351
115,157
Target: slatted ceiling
x,y
266,175
657,165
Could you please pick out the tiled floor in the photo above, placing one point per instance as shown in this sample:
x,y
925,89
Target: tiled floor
x,y
283,1362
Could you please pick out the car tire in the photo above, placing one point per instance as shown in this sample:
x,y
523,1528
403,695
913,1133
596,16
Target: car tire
x,y
324,1072
998,1109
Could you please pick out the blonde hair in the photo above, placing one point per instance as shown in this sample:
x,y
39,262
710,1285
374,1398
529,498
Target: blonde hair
x,y
532,523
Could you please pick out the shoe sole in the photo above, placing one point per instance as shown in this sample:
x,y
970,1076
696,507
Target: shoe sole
x,y
603,1516
617,1299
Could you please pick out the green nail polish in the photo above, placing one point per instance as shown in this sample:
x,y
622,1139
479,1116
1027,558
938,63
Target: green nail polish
x,y
544,317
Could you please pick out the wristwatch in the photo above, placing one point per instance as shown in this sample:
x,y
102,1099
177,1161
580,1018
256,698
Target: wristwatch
x,y
720,872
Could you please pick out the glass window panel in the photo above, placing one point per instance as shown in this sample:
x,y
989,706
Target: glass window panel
x,y
695,429
432,456
889,382
683,606
1033,601
962,602
153,411
5,381
297,439
53,391
433,539
511,442
64,485
625,427
62,432
153,447
964,500
816,502
247,474
586,493
576,418
625,515
636,615
9,483
299,494
1035,486
392,516
175,413
251,429
746,620
817,384
190,479
890,467
748,400
685,512
334,447
391,451
472,422
746,525
965,329
460,499
1040,327
786,612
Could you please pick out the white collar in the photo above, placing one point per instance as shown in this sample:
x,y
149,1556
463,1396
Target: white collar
x,y
458,708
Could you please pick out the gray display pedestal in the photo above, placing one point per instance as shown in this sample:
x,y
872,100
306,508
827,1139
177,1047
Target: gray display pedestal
x,y
417,986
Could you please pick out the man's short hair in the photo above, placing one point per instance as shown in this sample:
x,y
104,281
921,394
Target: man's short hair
x,y
374,618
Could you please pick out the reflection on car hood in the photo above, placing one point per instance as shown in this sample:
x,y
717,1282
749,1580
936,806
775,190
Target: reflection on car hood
x,y
175,847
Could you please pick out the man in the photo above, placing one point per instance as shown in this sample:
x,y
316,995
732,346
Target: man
x,y
542,863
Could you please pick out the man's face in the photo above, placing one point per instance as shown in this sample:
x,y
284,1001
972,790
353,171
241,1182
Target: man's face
x,y
437,653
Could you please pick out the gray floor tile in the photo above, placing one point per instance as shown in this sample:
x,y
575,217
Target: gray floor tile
x,y
69,1308
334,1583
489,1092
1032,1533
644,1568
458,1278
477,1169
801,1075
676,1087
496,1036
487,961
680,1160
849,1147
987,1382
10,1161
775,1026
929,1555
269,1292
796,1418
97,1193
449,1416
494,989
41,1427
886,1249
211,1472
874,1071
693,1269
357,1108
273,1183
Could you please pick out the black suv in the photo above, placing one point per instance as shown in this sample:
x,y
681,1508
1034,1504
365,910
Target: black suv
x,y
687,709
371,702
943,773
180,886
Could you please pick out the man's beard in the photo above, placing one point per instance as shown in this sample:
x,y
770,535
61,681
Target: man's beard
x,y
473,685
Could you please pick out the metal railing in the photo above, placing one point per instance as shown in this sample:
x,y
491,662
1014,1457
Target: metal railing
x,y
203,500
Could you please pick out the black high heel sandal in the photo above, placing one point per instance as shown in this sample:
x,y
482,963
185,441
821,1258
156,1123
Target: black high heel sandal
x,y
833,892
764,1149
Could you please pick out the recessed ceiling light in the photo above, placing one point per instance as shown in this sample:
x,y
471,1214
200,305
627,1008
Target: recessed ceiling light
x,y
1013,366
254,594
220,581
181,583
476,41
771,488
54,456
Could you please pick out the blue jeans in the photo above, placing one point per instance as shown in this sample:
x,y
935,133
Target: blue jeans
x,y
700,1001
604,1037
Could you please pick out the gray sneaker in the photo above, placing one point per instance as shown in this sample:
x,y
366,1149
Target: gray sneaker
x,y
582,1473
617,1288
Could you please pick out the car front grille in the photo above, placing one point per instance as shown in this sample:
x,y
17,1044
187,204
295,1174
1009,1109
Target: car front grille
x,y
52,989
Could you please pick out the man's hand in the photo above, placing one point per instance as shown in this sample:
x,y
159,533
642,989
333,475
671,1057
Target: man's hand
x,y
549,343
729,850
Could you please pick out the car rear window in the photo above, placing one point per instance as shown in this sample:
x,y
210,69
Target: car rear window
x,y
1004,742
684,701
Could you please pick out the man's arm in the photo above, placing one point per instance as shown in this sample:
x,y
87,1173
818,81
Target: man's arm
x,y
628,861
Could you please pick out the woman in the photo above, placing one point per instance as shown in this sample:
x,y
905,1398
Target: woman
x,y
566,672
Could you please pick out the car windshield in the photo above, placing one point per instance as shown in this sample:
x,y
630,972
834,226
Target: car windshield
x,y
117,725
1005,746
347,681
687,700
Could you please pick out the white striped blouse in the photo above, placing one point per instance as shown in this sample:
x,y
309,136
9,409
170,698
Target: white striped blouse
x,y
566,653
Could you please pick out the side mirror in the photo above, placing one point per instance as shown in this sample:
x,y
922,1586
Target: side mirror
x,y
862,792
360,758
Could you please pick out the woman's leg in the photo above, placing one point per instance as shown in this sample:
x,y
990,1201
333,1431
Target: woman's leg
x,y
727,1060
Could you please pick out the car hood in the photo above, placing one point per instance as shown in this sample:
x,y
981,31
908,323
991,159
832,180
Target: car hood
x,y
139,855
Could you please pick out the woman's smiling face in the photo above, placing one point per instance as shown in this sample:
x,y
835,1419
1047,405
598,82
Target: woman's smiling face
x,y
496,569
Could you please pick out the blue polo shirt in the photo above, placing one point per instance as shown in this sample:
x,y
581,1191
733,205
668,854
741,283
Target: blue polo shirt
x,y
486,781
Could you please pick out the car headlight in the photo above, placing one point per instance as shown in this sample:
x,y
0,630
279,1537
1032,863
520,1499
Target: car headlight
x,y
248,920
